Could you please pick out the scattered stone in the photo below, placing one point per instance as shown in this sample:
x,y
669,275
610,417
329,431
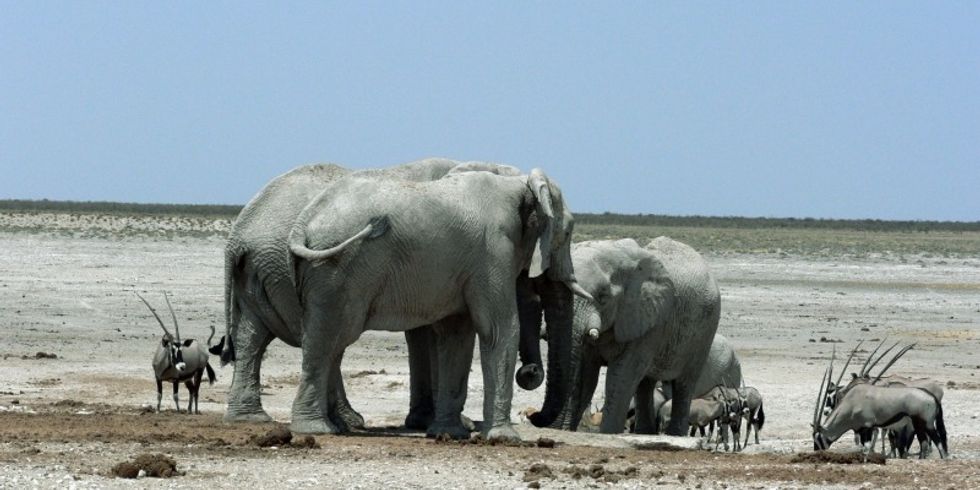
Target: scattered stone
x,y
546,442
538,471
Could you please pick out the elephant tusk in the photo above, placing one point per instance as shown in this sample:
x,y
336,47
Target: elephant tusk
x,y
579,290
594,333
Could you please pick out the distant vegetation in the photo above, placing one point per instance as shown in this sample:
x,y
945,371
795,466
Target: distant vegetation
x,y
806,237
603,219
44,205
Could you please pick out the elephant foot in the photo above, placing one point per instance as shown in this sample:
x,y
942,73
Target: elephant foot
x,y
467,423
250,416
347,418
313,426
454,431
504,433
419,420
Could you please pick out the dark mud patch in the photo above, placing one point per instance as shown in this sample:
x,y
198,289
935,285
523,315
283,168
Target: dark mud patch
x,y
282,437
152,465
838,458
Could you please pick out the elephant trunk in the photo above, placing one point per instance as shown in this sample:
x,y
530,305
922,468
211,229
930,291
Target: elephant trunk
x,y
586,319
556,298
531,373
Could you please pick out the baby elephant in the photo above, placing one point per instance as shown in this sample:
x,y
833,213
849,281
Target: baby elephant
x,y
177,361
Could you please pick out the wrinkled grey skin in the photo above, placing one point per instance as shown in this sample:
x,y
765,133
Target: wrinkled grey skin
x,y
655,313
380,254
262,304
721,368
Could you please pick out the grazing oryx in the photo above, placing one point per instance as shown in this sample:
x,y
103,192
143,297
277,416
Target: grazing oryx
x,y
177,361
863,406
752,410
900,433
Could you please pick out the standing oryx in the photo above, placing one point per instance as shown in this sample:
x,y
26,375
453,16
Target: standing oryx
x,y
177,360
863,407
752,410
719,406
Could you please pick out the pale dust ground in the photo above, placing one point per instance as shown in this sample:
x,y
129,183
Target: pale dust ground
x,y
66,289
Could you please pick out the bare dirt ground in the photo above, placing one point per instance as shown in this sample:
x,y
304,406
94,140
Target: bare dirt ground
x,y
65,289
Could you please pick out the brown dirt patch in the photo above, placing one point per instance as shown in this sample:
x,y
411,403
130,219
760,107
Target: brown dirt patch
x,y
153,465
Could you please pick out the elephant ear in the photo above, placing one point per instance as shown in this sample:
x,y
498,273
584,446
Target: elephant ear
x,y
648,301
540,187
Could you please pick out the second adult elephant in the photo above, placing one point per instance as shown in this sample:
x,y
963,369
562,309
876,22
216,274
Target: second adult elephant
x,y
654,314
377,254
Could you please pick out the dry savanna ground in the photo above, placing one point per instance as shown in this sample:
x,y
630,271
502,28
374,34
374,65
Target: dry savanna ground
x,y
76,382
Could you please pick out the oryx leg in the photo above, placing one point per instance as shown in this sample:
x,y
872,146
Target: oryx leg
x,y
176,404
159,393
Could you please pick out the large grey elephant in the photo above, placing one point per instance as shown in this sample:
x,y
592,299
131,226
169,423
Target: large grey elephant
x,y
654,315
262,303
721,368
380,254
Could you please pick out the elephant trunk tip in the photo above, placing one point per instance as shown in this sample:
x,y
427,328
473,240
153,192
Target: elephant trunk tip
x,y
529,376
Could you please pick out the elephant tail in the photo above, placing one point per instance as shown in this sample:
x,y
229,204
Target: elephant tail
x,y
376,227
225,347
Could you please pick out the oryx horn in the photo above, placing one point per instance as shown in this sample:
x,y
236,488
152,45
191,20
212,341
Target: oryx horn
x,y
864,368
844,369
899,354
164,327
820,399
882,356
172,315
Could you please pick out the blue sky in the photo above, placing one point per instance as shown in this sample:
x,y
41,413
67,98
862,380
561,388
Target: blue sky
x,y
827,109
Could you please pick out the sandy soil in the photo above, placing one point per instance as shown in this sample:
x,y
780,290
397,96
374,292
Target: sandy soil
x,y
65,289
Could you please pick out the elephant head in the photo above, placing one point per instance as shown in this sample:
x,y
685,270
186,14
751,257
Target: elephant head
x,y
631,294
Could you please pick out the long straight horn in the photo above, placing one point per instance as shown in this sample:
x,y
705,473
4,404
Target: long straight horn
x,y
164,327
833,356
900,354
848,363
820,398
864,368
172,315
882,356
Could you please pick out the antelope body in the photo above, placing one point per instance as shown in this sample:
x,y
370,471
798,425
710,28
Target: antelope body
x,y
752,411
177,361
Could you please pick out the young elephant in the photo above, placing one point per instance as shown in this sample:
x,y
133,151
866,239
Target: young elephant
x,y
654,315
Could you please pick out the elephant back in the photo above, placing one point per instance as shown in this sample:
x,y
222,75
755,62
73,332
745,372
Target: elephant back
x,y
721,368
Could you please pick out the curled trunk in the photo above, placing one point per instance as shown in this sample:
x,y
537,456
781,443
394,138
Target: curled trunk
x,y
531,373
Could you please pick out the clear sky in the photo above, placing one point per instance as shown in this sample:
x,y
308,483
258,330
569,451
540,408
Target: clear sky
x,y
784,109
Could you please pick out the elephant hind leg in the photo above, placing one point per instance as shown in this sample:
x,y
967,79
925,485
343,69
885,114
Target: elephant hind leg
x,y
340,411
645,409
454,349
422,377
244,397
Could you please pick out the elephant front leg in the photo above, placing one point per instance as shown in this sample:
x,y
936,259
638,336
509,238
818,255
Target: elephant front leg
x,y
454,348
622,379
244,397
422,377
680,407
498,357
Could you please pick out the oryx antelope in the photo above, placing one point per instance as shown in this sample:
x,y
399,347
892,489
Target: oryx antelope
x,y
900,433
863,406
752,411
177,361
715,407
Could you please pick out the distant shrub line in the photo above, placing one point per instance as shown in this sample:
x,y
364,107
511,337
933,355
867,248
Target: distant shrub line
x,y
766,223
231,210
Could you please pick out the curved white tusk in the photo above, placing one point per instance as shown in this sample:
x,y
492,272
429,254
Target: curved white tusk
x,y
594,333
579,290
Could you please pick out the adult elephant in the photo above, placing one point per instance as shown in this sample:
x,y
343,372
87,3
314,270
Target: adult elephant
x,y
262,303
721,368
653,317
380,254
